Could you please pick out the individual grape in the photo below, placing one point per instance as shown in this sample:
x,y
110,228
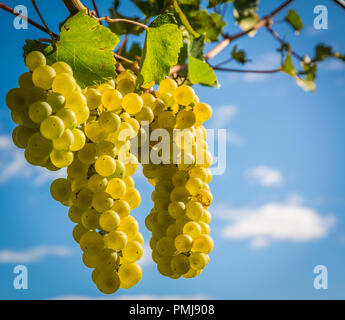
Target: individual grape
x,y
180,178
116,240
132,103
108,283
194,210
173,231
198,260
111,99
97,183
192,228
180,264
93,97
43,77
89,260
206,217
166,119
168,99
122,208
35,94
34,159
39,146
120,172
68,117
82,198
62,67
109,220
88,154
203,112
78,232
128,225
25,80
116,188
138,237
107,260
39,110
148,100
65,141
105,165
35,59
203,243
205,197
77,169
125,75
15,100
78,140
52,127
56,100
16,117
145,114
199,173
167,85
158,107
183,242
61,158
75,213
91,242
90,219
134,124
133,251
22,135
176,209
184,95
102,201
130,274
205,228
64,83
132,196
109,121
185,119
60,189
95,132
79,183
165,246
164,266
179,194
125,86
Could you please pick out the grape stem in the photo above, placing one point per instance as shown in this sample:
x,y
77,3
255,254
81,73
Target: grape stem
x,y
246,71
96,8
184,20
44,23
106,18
34,23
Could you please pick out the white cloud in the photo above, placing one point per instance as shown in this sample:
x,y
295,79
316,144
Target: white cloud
x,y
275,221
265,176
33,254
14,165
146,259
134,297
332,65
222,116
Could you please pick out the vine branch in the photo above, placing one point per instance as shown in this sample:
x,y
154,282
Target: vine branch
x,y
41,17
106,18
246,71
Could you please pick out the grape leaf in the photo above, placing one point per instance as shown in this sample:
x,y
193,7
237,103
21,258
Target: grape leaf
x,y
213,3
200,72
288,66
87,47
239,55
161,52
294,20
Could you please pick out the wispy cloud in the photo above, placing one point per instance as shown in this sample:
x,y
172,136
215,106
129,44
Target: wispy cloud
x,y
290,221
222,116
265,176
134,297
34,254
332,65
13,165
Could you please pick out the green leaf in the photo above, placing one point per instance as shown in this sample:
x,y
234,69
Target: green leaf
x,y
245,7
87,47
288,66
322,52
161,52
163,19
213,3
200,72
306,85
294,20
239,55
196,47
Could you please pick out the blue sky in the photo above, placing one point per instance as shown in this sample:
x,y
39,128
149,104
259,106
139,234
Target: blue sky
x,y
285,173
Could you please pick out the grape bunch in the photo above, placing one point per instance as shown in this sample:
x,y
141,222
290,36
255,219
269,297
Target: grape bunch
x,y
88,131
179,220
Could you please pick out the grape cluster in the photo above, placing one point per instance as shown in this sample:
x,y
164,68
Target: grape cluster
x,y
179,220
88,131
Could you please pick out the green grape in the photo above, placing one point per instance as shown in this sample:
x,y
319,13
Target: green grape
x,y
133,251
95,273
93,97
65,141
194,210
22,135
132,103
165,246
95,132
43,77
39,110
116,188
203,243
129,225
34,159
185,119
39,146
166,119
102,201
35,94
148,100
173,231
90,219
191,273
68,117
15,99
82,198
125,132
16,142
52,127
167,85
198,260
89,260
60,189
82,114
62,67
205,228
88,154
183,242
25,80
64,83
120,171
168,99
179,194
164,266
78,232
105,87
158,107
163,217
75,100
179,178
116,240
145,114
176,209
194,185
105,165
56,100
97,183
180,264
109,220
35,59
74,213
122,208
125,86
111,99
199,172
109,121
61,158
138,237
206,217
130,274
184,95
91,242
126,75
202,112
107,259
16,117
192,228
132,196
205,197
78,140
77,169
